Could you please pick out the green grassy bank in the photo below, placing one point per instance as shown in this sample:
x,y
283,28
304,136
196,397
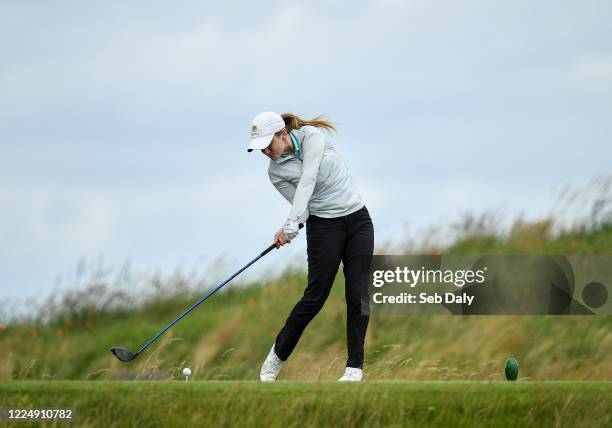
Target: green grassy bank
x,y
228,337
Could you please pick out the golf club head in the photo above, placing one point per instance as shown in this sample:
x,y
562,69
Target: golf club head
x,y
123,354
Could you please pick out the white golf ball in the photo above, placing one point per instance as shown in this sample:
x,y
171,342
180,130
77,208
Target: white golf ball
x,y
186,371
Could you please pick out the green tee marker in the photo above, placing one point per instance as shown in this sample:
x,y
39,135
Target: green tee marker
x,y
511,369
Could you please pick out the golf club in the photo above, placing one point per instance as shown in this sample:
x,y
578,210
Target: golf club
x,y
126,356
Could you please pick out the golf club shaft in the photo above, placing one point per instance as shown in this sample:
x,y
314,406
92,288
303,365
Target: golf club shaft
x,y
210,293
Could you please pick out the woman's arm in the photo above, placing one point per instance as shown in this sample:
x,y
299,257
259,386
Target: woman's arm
x,y
313,147
287,189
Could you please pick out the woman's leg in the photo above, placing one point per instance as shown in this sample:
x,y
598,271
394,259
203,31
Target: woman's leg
x,y
325,242
356,259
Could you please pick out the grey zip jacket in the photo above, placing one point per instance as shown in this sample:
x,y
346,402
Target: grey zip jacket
x,y
314,180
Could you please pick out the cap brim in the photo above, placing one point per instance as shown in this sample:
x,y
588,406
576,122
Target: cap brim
x,y
260,142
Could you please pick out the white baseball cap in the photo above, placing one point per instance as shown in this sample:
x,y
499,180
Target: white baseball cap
x,y
264,126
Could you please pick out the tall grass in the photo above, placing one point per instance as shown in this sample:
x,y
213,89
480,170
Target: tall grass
x,y
68,335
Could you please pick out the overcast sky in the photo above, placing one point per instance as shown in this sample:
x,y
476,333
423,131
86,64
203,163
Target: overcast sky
x,y
123,125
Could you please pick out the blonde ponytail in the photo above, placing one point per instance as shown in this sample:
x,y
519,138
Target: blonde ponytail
x,y
293,121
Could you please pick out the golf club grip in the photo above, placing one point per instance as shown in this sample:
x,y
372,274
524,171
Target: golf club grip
x,y
272,246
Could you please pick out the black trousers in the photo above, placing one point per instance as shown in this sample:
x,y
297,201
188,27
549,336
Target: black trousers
x,y
349,239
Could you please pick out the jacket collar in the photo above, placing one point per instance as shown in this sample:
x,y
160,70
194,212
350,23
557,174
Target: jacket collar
x,y
296,135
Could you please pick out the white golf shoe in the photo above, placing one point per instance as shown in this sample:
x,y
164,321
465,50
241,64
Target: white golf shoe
x,y
352,374
271,367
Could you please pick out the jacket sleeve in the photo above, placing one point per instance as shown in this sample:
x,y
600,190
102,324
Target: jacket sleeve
x,y
313,147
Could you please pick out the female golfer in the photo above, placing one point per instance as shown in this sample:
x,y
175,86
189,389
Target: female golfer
x,y
307,171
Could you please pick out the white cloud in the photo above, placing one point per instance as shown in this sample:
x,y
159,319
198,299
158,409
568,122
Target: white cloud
x,y
396,4
594,70
123,127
